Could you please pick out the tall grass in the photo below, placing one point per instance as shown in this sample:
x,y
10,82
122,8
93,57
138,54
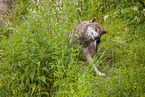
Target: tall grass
x,y
38,60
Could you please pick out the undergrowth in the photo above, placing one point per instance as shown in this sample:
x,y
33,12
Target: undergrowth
x,y
37,59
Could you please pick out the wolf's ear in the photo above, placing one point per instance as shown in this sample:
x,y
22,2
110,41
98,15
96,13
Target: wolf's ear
x,y
104,32
94,20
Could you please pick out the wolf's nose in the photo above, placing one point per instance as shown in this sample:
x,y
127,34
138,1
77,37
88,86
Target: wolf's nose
x,y
97,38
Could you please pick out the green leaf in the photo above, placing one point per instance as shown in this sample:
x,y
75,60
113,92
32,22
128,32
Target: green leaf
x,y
38,63
43,78
22,76
33,86
45,68
32,75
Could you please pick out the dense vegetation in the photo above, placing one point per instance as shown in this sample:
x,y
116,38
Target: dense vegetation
x,y
36,58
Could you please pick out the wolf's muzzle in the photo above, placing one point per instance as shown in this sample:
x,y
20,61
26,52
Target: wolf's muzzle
x,y
97,38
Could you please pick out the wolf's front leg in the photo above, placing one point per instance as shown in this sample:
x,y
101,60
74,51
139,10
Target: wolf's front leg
x,y
89,59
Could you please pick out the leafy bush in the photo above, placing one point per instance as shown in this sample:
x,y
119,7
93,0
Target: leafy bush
x,y
35,54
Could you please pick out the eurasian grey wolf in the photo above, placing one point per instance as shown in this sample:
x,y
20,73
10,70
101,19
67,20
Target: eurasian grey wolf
x,y
89,37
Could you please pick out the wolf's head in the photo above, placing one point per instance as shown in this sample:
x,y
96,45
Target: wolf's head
x,y
89,31
94,30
